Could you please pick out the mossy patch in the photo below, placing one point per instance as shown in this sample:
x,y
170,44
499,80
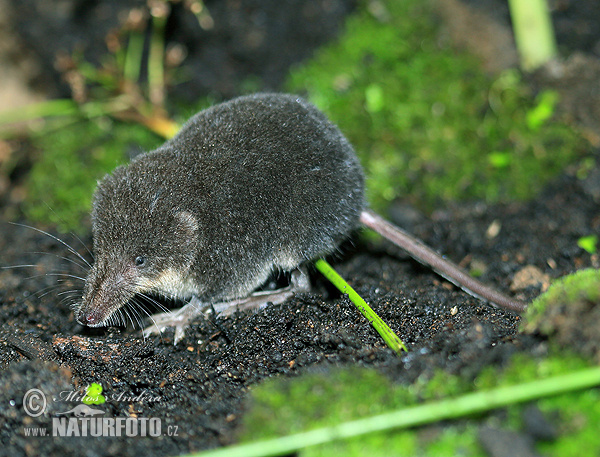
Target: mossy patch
x,y
284,406
569,312
425,120
300,403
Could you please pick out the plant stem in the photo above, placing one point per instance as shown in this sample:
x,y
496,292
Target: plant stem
x,y
156,76
416,415
59,107
533,30
133,57
384,330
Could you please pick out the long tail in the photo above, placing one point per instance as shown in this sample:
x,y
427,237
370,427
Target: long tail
x,y
445,268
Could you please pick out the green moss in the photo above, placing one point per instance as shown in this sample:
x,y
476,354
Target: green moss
x,y
567,293
72,159
459,439
320,400
401,444
283,406
576,414
448,442
524,368
425,120
579,419
301,405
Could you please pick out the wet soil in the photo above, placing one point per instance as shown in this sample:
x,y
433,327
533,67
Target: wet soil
x,y
199,387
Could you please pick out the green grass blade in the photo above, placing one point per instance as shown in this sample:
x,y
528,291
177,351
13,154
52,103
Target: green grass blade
x,y
133,57
533,31
384,330
417,415
156,58
62,108
59,107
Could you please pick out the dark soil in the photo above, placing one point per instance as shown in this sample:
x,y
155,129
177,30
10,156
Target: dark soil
x,y
200,385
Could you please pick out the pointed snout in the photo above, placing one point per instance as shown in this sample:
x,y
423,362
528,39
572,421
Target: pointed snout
x,y
105,291
90,317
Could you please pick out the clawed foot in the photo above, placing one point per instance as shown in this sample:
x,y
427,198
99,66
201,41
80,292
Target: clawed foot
x,y
181,318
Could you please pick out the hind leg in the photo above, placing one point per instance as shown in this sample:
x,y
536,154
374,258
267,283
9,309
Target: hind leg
x,y
181,318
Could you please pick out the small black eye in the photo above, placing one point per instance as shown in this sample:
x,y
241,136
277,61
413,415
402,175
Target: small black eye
x,y
140,261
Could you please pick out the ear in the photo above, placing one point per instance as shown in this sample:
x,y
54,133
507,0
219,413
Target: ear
x,y
186,232
187,229
187,224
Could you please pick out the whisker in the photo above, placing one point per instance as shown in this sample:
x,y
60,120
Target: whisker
x,y
120,316
55,284
68,299
131,311
134,311
159,305
143,308
69,295
18,266
83,244
140,307
73,234
59,283
41,275
74,262
46,290
140,321
113,319
126,315
126,312
72,291
71,250
66,275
